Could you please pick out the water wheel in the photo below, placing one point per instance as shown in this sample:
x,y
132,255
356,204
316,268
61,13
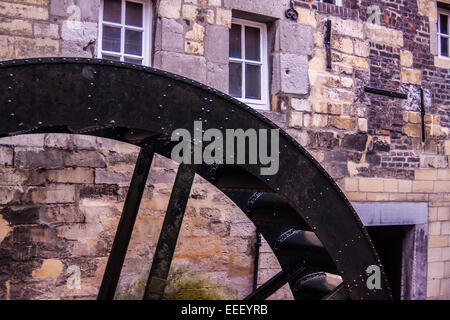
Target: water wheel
x,y
304,216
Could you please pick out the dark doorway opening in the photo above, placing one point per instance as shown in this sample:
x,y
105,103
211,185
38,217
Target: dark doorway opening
x,y
388,241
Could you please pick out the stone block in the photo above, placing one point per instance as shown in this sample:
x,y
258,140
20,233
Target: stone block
x,y
435,270
197,33
433,288
446,147
54,193
6,156
425,174
170,9
71,175
169,35
443,213
38,47
50,268
351,184
361,48
223,17
55,140
92,159
215,3
445,227
35,158
217,51
445,288
46,30
390,186
442,186
194,47
350,28
104,176
412,76
270,8
381,34
301,105
295,119
434,228
342,44
353,61
362,125
428,9
293,38
190,12
443,63
79,31
434,254
77,10
190,66
422,186
6,47
412,130
81,142
290,74
343,123
15,27
217,76
371,185
427,161
306,16
406,58
446,254
356,196
23,11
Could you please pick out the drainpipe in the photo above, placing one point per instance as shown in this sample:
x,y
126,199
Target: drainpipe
x,y
256,262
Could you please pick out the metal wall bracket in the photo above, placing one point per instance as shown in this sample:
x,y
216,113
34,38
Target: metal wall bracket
x,y
387,93
422,113
327,41
291,13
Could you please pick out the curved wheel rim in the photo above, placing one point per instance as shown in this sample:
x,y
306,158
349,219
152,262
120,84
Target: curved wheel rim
x,y
123,101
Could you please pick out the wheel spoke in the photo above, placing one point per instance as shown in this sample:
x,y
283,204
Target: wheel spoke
x,y
165,248
275,283
126,224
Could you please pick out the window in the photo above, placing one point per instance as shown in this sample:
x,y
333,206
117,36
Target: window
x,y
336,2
124,31
443,33
248,77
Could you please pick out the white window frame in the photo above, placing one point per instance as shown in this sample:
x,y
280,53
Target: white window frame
x,y
146,32
262,104
336,2
442,35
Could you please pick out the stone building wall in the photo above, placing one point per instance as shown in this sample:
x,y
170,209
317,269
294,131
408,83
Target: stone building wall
x,y
370,144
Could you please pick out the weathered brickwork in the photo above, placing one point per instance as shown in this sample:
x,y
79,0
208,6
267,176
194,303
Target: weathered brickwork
x,y
61,196
55,215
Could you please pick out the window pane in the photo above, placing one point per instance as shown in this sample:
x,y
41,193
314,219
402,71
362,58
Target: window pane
x,y
252,82
444,46
104,56
235,41
134,14
112,10
111,39
130,60
133,42
444,24
235,82
252,43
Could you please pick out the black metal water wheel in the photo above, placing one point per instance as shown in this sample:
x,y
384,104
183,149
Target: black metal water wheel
x,y
301,212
